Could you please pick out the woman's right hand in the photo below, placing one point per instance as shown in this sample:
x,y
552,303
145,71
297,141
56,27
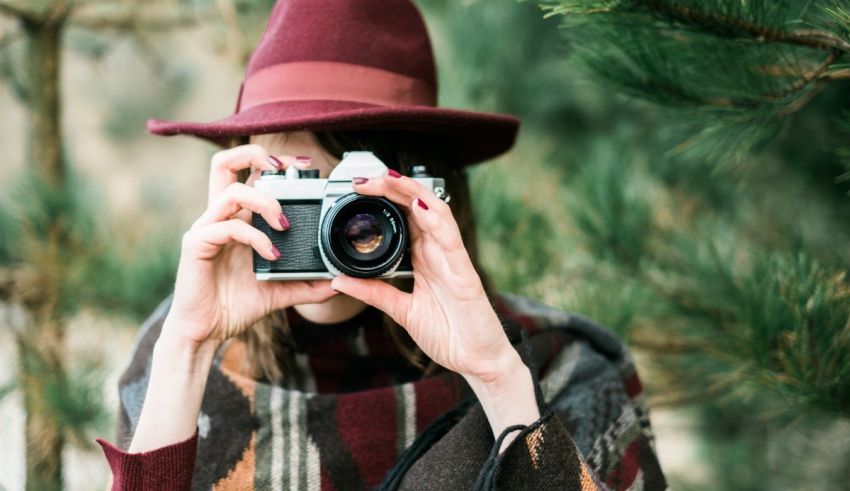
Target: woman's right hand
x,y
216,294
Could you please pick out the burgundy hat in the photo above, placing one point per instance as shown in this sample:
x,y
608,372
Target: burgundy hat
x,y
347,65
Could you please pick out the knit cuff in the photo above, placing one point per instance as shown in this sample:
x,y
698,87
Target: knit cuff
x,y
167,468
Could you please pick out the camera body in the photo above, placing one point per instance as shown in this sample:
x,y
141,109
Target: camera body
x,y
334,230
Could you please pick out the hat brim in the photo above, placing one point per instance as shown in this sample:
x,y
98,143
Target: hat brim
x,y
469,136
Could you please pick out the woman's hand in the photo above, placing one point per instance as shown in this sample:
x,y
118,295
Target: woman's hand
x,y
448,313
217,295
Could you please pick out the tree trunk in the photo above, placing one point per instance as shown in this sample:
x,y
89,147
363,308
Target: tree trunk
x,y
41,352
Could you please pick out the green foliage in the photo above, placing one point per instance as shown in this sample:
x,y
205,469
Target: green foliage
x,y
40,213
617,301
8,231
843,152
77,402
779,321
131,282
609,207
741,67
93,268
514,238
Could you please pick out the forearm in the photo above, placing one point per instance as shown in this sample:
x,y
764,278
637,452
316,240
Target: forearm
x,y
508,399
178,377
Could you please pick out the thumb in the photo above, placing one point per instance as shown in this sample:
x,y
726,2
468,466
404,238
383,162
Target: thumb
x,y
376,293
288,293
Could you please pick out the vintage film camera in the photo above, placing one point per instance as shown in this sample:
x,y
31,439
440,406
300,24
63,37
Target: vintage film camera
x,y
333,230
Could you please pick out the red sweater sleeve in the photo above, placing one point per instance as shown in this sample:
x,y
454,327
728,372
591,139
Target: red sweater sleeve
x,y
168,468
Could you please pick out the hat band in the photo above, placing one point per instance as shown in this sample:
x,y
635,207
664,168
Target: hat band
x,y
330,80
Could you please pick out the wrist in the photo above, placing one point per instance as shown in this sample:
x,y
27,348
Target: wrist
x,y
183,349
501,375
179,370
511,378
507,396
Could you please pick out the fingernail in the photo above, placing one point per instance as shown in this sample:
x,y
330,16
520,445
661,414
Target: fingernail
x,y
421,204
360,180
393,173
303,158
276,252
275,162
284,222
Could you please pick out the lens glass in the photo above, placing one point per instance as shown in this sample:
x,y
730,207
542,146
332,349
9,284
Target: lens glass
x,y
364,233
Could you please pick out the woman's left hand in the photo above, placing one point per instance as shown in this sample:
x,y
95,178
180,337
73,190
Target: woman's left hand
x,y
448,313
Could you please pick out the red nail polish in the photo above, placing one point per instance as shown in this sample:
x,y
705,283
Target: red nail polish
x,y
276,252
303,158
284,222
360,180
275,162
421,204
393,173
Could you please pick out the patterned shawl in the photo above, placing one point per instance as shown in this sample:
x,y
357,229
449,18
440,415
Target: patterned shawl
x,y
353,413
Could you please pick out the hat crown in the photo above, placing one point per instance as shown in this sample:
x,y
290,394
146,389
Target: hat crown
x,y
327,65
388,35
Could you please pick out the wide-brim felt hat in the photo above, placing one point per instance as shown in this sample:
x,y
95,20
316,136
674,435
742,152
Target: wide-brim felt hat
x,y
349,65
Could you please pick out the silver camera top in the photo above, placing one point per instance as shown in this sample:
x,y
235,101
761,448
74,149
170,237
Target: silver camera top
x,y
353,164
305,183
357,164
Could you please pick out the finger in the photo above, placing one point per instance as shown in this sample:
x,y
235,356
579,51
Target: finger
x,y
380,186
411,189
402,190
415,231
207,240
445,234
286,293
239,196
286,161
256,174
225,165
376,293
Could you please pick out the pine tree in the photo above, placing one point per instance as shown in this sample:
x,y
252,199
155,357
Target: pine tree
x,y
55,257
741,70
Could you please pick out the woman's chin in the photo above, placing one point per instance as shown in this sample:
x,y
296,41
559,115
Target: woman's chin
x,y
336,309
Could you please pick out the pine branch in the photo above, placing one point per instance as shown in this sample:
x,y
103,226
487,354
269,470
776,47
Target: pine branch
x,y
843,74
753,103
732,26
798,85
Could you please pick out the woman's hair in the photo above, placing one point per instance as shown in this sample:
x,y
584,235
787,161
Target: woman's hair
x,y
269,347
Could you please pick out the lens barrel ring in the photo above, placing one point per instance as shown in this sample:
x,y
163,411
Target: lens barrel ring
x,y
363,259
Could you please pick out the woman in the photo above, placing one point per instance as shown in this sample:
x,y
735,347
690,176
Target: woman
x,y
355,383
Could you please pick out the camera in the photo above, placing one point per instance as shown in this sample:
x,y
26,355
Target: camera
x,y
334,230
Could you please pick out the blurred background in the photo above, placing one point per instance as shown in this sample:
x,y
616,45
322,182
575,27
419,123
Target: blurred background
x,y
681,175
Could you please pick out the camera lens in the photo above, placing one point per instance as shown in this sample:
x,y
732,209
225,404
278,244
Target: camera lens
x,y
364,233
363,236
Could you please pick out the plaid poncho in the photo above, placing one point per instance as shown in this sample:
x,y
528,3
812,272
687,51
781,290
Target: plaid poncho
x,y
354,414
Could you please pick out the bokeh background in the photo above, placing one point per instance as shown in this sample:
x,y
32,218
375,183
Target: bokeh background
x,y
681,175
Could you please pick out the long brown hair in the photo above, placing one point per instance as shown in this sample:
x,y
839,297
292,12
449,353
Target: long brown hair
x,y
269,347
